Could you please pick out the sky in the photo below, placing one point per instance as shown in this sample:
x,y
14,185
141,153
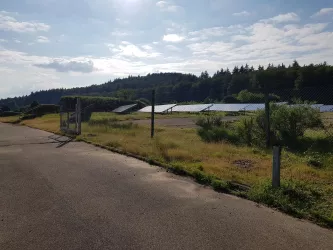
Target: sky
x,y
59,43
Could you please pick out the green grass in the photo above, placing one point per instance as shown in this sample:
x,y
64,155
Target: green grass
x,y
306,192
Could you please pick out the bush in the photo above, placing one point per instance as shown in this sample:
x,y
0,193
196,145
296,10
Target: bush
x,y
230,99
28,117
218,134
210,121
9,113
289,123
248,97
44,109
245,130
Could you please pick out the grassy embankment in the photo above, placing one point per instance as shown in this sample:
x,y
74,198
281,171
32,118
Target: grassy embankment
x,y
306,192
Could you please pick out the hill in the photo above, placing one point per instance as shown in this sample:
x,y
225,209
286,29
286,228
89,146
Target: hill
x,y
308,82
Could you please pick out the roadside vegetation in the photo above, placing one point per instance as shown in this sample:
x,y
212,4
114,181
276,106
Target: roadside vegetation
x,y
230,157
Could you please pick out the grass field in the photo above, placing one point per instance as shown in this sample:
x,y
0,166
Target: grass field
x,y
306,191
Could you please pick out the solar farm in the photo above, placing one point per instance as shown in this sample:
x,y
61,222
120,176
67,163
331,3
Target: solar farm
x,y
196,108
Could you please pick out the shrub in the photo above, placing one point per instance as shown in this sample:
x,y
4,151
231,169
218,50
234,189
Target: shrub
x,y
201,177
248,97
44,109
8,113
245,130
289,123
230,99
218,134
28,117
211,121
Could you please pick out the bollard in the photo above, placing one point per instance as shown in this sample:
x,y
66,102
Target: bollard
x,y
276,166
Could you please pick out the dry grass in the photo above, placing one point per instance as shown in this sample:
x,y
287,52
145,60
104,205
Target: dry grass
x,y
49,123
10,119
183,147
138,116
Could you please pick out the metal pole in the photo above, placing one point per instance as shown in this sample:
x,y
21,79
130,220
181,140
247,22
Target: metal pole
x,y
152,113
276,166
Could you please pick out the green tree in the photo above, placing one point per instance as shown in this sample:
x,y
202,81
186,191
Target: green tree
x,y
34,104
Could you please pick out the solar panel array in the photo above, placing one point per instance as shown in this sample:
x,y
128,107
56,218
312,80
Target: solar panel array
x,y
315,106
255,107
191,108
230,107
124,108
326,108
158,108
225,107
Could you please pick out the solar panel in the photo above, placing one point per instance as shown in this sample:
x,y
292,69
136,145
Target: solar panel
x,y
191,108
255,107
124,108
229,107
315,106
158,108
326,108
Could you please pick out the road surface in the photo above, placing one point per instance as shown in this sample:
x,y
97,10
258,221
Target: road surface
x,y
58,195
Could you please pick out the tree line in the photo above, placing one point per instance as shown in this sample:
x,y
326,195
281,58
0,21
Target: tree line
x,y
313,82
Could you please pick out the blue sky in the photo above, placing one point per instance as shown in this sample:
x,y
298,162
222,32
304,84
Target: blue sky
x,y
59,43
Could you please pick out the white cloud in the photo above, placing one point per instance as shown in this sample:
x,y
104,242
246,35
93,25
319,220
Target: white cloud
x,y
168,7
172,47
210,48
17,41
119,33
9,23
129,50
283,18
42,39
3,41
323,12
243,13
174,38
207,33
62,65
267,43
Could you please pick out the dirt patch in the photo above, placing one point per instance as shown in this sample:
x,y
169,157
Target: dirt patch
x,y
244,164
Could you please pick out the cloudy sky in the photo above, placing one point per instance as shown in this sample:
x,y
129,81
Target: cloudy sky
x,y
60,43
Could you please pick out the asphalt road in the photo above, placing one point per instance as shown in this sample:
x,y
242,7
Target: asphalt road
x,y
56,195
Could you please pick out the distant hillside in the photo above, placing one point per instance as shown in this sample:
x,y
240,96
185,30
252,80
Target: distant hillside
x,y
311,82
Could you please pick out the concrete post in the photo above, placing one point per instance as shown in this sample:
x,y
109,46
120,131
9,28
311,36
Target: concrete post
x,y
276,166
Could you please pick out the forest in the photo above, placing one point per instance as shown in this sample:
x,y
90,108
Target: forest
x,y
313,82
